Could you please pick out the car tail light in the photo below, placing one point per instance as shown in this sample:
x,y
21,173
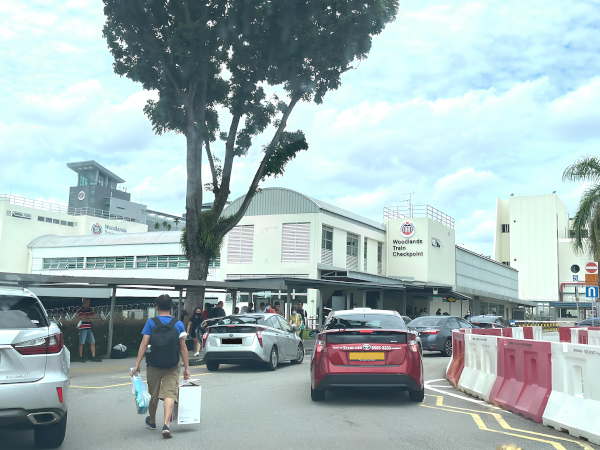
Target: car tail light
x,y
430,332
321,343
59,392
259,336
41,346
413,345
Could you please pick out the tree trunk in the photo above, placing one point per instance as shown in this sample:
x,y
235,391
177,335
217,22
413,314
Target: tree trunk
x,y
198,262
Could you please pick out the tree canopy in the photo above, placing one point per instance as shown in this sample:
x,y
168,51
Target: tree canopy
x,y
226,71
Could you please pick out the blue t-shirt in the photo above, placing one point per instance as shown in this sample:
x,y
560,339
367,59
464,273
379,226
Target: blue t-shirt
x,y
150,325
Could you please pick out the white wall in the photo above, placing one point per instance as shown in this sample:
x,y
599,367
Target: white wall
x,y
17,233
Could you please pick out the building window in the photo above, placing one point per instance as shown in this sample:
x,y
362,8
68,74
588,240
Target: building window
x,y
327,238
352,251
506,263
380,258
48,219
295,242
214,262
109,262
240,245
162,262
506,228
62,263
41,218
365,254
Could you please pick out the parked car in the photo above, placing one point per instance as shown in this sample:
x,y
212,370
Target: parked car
x,y
489,321
256,337
34,369
591,322
366,348
436,331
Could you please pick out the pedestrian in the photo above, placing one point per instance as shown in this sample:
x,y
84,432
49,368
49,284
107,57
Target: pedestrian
x,y
296,321
166,335
262,308
218,311
438,312
236,310
85,314
248,308
194,329
269,309
277,308
207,311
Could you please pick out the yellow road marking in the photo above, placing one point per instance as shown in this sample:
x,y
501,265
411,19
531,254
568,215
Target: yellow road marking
x,y
482,426
504,424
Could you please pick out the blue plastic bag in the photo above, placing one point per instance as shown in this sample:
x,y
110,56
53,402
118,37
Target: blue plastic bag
x,y
141,394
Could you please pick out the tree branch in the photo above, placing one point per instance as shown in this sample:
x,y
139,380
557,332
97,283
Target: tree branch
x,y
213,170
261,169
221,199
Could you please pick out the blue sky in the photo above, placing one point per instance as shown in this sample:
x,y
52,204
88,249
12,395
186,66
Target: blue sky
x,y
459,103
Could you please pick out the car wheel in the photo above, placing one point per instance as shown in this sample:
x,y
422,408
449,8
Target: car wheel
x,y
299,355
417,396
50,436
317,395
447,348
273,359
212,366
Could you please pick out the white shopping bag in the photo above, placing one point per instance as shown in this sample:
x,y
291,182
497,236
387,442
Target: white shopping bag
x,y
190,402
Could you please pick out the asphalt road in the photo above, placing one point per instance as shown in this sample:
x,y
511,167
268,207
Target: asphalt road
x,y
255,409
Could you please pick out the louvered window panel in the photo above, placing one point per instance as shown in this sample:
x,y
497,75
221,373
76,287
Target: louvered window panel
x,y
295,242
240,245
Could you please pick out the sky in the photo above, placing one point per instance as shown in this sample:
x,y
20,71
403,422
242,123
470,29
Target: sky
x,y
459,103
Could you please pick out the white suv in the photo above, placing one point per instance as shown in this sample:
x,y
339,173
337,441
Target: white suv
x,y
34,369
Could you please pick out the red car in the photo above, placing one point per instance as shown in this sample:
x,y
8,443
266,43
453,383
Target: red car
x,y
366,348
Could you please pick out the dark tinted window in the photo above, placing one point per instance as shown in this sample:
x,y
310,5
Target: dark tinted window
x,y
356,337
233,320
381,321
453,323
427,322
20,312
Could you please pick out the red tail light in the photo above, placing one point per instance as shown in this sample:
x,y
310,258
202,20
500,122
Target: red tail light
x,y
430,332
59,392
259,336
41,346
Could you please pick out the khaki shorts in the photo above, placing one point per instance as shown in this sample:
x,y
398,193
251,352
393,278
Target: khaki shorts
x,y
163,383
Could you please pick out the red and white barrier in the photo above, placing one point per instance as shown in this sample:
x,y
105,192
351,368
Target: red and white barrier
x,y
574,403
549,382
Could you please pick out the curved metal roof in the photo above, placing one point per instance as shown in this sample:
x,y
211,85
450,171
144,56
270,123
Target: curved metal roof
x,y
275,200
91,240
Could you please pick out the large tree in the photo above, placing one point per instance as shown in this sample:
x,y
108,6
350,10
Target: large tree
x,y
586,223
246,62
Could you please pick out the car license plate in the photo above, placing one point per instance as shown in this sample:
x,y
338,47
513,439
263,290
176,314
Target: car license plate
x,y
367,356
232,341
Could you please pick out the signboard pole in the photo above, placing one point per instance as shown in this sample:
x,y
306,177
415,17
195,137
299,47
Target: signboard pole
x,y
577,302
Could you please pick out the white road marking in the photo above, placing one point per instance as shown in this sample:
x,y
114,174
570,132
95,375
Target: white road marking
x,y
452,394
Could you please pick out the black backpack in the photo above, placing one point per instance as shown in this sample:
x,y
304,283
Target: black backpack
x,y
164,340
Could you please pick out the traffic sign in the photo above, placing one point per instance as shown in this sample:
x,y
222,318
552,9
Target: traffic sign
x,y
592,291
591,267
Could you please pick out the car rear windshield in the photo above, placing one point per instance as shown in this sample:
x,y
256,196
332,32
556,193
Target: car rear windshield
x,y
484,319
20,312
241,320
376,337
426,322
368,321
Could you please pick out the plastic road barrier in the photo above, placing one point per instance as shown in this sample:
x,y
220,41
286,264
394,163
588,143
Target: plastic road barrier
x,y
487,331
515,332
524,378
574,403
594,337
564,334
457,363
479,374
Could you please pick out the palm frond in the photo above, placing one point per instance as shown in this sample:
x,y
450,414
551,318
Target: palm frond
x,y
587,222
586,169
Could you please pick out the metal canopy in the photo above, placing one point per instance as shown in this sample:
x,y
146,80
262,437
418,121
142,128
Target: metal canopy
x,y
286,283
28,280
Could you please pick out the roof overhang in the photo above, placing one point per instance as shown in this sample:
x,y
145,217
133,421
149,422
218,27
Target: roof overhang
x,y
289,283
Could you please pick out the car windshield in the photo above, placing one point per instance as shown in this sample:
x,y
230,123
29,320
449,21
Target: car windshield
x,y
20,312
426,322
378,321
241,320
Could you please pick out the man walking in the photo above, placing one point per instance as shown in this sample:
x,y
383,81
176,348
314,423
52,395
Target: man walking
x,y
166,335
218,311
85,314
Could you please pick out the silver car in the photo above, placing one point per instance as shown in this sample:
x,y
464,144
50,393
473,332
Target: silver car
x,y
34,369
254,337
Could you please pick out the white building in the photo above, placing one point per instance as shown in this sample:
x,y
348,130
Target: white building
x,y
409,263
533,236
